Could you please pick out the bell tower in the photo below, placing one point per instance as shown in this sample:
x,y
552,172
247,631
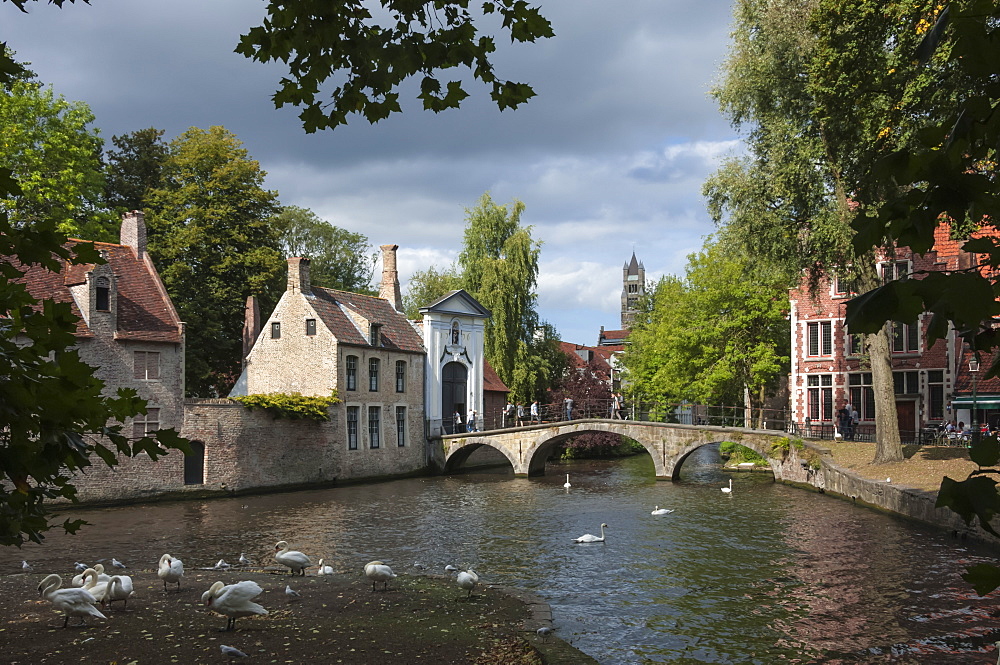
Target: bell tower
x,y
633,288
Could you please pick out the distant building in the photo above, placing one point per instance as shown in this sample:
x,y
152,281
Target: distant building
x,y
633,288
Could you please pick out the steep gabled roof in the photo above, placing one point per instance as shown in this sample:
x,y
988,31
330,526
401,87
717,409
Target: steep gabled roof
x,y
332,308
458,302
144,308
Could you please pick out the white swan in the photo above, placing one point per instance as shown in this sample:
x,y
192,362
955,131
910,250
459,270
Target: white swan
x,y
467,579
234,600
297,562
661,511
98,588
728,490
78,580
566,484
171,570
74,602
324,570
377,571
591,538
119,588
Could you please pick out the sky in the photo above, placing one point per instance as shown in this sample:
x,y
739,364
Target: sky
x,y
609,158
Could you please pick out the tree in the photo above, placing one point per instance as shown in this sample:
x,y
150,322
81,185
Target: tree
x,y
426,286
499,265
372,55
339,259
589,387
55,417
720,336
54,153
134,169
210,230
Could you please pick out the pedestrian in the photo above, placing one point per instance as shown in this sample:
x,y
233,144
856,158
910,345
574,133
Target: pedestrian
x,y
845,422
621,407
616,406
520,415
855,421
471,422
508,415
535,415
568,405
457,422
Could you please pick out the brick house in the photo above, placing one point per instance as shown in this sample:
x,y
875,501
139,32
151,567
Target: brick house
x,y
828,369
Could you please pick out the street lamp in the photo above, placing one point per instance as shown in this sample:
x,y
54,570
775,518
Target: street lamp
x,y
974,371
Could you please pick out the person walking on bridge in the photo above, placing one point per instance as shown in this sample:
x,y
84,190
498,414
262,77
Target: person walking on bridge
x,y
568,404
520,415
535,416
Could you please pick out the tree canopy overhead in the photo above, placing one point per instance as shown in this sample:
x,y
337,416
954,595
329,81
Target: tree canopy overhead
x,y
365,54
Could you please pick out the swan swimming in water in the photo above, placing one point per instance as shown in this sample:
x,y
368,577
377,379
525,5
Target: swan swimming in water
x,y
728,490
377,571
234,600
591,538
661,511
324,570
566,484
171,570
297,562
73,602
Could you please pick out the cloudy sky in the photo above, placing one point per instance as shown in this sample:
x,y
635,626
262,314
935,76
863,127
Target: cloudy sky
x,y
608,158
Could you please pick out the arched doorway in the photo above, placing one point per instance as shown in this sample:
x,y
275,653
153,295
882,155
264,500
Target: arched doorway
x,y
454,379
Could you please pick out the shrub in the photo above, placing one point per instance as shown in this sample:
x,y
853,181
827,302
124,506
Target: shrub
x,y
739,453
291,406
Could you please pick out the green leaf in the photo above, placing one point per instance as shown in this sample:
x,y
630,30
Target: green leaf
x,y
986,452
895,301
984,577
971,498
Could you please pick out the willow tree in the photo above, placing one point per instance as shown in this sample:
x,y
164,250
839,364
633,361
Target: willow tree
x,y
499,264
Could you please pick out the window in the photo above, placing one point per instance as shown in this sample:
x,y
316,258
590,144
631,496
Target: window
x,y
905,337
820,396
147,365
351,372
400,376
310,327
843,285
862,395
935,394
373,374
144,424
820,338
895,270
102,291
633,288
632,302
375,334
352,427
374,418
275,330
906,383
401,426
855,344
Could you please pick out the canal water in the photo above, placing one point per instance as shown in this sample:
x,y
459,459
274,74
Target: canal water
x,y
766,574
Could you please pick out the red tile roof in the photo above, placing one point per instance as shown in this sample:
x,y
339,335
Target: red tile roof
x,y
491,380
144,308
396,332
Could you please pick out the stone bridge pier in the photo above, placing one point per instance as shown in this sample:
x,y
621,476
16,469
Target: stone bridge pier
x,y
527,448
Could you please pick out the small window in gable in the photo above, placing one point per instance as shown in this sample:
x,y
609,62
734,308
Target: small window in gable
x,y
375,334
102,291
275,330
310,327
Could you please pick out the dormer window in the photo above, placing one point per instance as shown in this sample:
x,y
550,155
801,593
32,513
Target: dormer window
x,y
310,327
102,291
375,334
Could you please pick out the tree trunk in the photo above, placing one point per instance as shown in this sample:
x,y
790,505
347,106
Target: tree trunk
x,y
888,447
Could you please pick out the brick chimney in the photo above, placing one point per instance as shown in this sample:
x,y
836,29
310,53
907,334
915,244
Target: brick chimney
x,y
298,276
390,278
251,326
133,232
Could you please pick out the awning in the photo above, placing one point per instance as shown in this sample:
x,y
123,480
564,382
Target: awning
x,y
982,402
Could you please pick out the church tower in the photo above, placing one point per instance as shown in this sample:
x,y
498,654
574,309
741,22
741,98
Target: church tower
x,y
633,288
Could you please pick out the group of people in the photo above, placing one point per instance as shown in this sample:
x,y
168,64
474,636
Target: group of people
x,y
515,415
847,422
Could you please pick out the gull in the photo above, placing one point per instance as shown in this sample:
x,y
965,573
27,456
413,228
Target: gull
x,y
544,632
118,564
80,567
450,569
291,593
26,567
231,652
221,565
244,561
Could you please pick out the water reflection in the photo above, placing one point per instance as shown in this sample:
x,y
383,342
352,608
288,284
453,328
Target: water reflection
x,y
767,574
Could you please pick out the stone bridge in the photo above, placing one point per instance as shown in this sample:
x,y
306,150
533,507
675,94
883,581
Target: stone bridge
x,y
668,444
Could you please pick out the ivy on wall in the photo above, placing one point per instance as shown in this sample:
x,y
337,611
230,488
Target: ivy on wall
x,y
291,406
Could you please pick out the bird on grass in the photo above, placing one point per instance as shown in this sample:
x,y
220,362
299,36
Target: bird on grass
x,y
170,570
73,602
233,601
244,561
467,579
324,570
297,562
377,572
118,564
291,594
26,567
231,652
591,538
